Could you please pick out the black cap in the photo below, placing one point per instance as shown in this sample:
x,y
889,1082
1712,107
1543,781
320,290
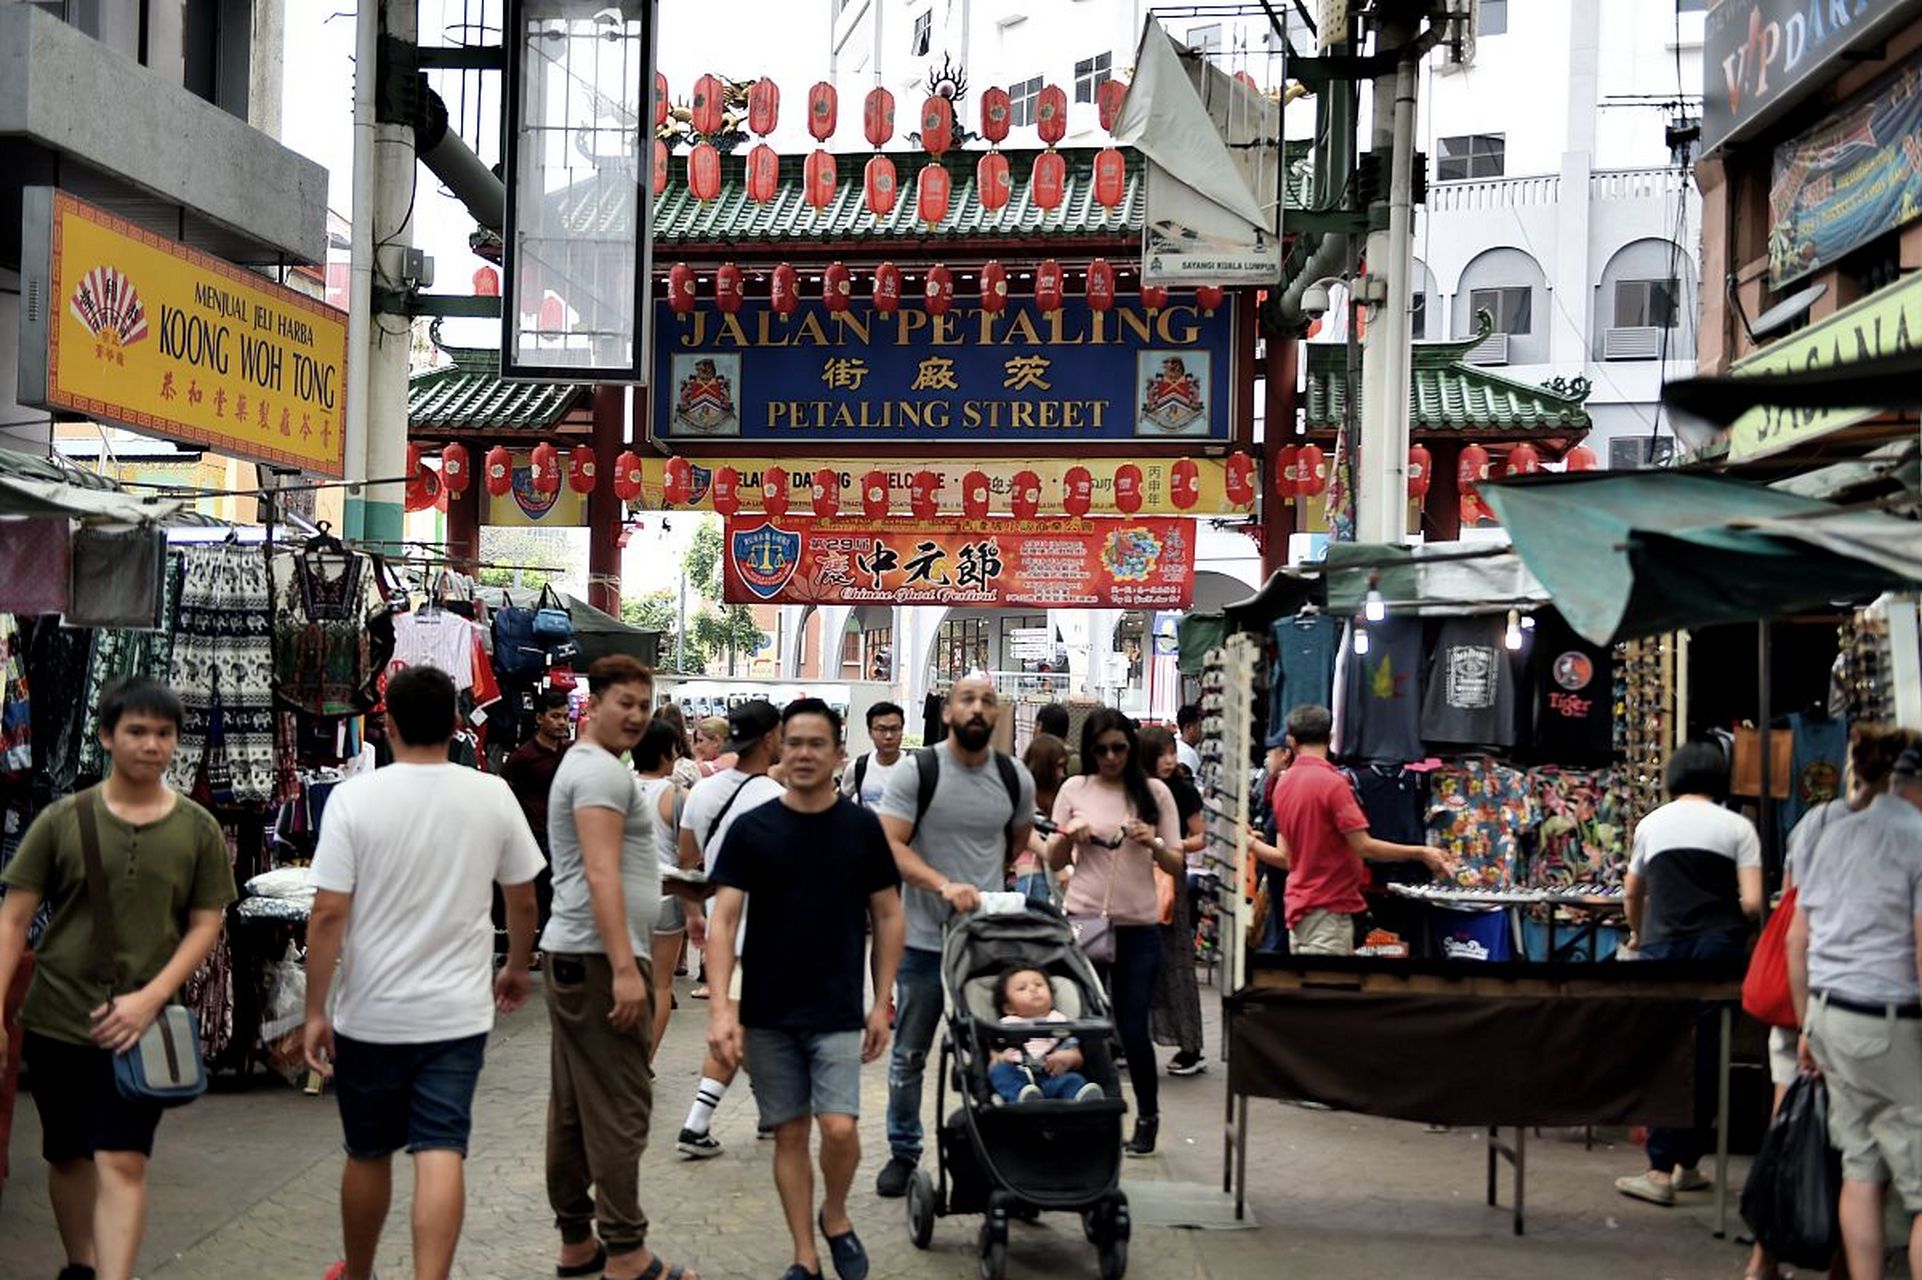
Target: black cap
x,y
749,722
1909,763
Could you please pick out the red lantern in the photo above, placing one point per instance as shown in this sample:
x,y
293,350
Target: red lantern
x,y
454,471
680,288
1581,458
1239,481
553,313
1025,497
500,470
704,171
1312,476
1153,297
819,181
763,106
1049,181
931,195
1110,177
1209,297
1288,472
874,494
414,467
974,494
763,173
629,476
678,485
423,489
1421,470
545,469
877,116
1523,460
997,113
784,289
1184,483
487,282
709,109
994,287
1101,285
1127,488
1047,285
837,287
939,289
924,495
993,184
727,288
827,492
1051,114
774,492
1107,102
659,177
660,99
937,124
726,490
1472,468
1242,77
1077,491
880,186
824,110
581,469
887,288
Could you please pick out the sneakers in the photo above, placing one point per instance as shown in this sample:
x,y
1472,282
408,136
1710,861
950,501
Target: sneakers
x,y
1186,1064
893,1182
1143,1141
1685,1179
1644,1187
336,1272
1029,1093
697,1146
1089,1092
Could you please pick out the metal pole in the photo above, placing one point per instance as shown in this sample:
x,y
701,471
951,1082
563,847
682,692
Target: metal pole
x,y
1721,1122
1381,503
360,291
1764,715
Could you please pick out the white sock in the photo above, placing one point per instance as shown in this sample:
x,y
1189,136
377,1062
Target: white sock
x,y
706,1099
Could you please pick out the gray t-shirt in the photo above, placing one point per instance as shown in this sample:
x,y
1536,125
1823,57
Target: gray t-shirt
x,y
591,778
963,835
1863,896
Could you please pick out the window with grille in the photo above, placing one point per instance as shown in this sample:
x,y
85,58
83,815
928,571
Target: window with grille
x,y
1513,308
1021,96
1471,155
923,37
1090,74
1645,304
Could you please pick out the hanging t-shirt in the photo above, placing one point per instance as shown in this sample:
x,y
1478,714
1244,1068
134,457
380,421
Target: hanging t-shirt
x,y
1471,685
1572,685
436,639
1381,694
1820,750
1394,799
1304,670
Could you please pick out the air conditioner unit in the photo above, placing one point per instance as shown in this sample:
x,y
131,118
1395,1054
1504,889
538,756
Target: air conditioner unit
x,y
1494,350
1637,342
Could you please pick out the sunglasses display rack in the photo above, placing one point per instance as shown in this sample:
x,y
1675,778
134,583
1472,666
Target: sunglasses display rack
x,y
1865,669
1645,720
1227,751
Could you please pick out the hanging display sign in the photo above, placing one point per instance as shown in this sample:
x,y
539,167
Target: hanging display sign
x,y
1885,322
1020,376
1121,564
522,508
1761,57
132,328
1841,185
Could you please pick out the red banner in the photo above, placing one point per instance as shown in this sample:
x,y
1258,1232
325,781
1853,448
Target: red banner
x,y
982,564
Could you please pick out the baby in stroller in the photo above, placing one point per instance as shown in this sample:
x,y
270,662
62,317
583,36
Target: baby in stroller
x,y
1041,1067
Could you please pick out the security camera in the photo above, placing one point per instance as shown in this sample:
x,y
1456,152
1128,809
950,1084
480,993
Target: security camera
x,y
1314,300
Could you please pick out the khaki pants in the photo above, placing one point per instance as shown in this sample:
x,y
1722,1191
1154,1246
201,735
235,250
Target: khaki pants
x,y
1323,933
601,1104
1873,1068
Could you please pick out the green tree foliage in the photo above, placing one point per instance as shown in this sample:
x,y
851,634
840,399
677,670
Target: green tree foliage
x,y
710,624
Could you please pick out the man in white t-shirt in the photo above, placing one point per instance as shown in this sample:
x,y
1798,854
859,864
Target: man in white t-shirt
x,y
866,780
754,736
1187,740
403,881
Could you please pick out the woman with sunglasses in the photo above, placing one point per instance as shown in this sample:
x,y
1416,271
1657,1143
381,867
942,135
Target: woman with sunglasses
x,y
1116,824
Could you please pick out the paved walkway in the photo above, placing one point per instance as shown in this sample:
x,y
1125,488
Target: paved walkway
x,y
245,1185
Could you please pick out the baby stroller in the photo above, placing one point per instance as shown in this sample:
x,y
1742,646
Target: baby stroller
x,y
1016,1160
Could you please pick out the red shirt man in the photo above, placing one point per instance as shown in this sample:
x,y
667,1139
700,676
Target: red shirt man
x,y
1320,826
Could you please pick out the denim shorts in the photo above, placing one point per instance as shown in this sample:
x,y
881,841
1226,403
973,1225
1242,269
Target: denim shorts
x,y
798,1073
416,1096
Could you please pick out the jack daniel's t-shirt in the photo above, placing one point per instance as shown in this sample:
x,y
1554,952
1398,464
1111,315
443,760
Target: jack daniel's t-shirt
x,y
1574,694
1470,697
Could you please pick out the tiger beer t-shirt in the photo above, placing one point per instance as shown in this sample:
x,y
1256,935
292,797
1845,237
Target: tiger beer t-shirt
x,y
1574,694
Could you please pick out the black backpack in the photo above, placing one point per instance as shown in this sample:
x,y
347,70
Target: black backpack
x,y
928,776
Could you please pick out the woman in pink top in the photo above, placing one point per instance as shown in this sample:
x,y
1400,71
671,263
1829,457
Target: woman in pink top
x,y
1115,824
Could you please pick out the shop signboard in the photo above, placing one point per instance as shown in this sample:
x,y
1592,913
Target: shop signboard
x,y
1849,180
1018,378
1761,57
1159,491
983,564
1031,643
521,508
132,328
1885,322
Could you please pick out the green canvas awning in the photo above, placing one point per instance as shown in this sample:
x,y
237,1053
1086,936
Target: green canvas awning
x,y
1637,553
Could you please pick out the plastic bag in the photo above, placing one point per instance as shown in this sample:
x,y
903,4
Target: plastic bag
x,y
1790,1199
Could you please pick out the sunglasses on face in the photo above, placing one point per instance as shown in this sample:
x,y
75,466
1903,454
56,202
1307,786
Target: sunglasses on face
x,y
1111,748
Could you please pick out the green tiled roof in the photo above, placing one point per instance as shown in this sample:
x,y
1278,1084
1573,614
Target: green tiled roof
x,y
470,396
1447,394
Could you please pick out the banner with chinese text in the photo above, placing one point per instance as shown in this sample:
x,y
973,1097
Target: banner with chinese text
x,y
1021,376
145,332
983,564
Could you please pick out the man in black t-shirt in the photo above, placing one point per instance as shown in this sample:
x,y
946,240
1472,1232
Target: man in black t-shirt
x,y
819,869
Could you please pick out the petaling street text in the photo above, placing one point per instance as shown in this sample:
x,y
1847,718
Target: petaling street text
x,y
937,415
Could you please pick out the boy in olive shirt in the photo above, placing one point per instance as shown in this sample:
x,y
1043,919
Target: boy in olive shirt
x,y
169,881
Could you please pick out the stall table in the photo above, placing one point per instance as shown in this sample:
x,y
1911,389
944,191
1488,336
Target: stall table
x,y
1598,901
1550,1044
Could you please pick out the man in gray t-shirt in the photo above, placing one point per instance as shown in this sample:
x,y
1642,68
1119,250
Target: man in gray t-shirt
x,y
947,857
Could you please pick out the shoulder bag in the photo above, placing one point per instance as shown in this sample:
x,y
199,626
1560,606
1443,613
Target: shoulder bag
x,y
1765,988
165,1067
1095,933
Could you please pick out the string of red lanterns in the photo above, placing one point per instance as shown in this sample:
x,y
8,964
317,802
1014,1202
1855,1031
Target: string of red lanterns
x,y
1100,285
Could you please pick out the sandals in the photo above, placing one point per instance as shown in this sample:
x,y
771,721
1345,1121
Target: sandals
x,y
592,1267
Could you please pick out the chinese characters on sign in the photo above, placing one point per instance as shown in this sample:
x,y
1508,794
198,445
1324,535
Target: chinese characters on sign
x,y
1124,564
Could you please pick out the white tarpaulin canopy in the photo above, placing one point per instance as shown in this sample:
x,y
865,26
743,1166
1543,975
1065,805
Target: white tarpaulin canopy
x,y
23,497
1874,536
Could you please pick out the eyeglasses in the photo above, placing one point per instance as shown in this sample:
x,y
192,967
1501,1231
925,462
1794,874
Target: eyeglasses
x,y
1111,748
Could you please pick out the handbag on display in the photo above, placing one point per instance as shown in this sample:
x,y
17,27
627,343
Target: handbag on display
x,y
551,619
561,677
164,1067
